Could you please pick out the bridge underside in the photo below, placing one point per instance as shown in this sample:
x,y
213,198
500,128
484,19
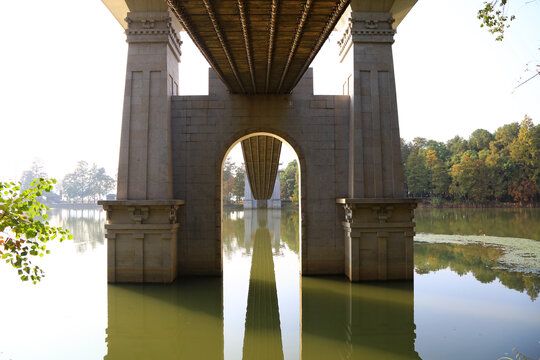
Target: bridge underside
x,y
167,219
261,157
262,46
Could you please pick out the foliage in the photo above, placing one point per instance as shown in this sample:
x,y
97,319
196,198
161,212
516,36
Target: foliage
x,y
24,229
233,182
87,183
288,182
493,16
504,166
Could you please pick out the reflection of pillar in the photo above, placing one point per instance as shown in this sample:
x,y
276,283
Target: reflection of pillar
x,y
181,321
274,225
361,321
262,339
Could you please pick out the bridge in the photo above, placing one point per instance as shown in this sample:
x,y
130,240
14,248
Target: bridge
x,y
355,218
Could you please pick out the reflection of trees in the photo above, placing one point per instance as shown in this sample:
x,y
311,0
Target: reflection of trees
x,y
479,260
521,223
233,232
86,225
289,229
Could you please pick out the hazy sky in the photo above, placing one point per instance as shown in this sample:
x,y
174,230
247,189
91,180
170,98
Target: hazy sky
x,y
62,69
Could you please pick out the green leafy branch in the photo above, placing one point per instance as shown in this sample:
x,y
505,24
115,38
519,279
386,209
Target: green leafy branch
x,y
493,16
24,226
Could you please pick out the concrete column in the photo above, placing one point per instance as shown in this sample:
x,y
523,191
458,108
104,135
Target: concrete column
x,y
249,202
275,200
142,229
375,169
145,167
378,224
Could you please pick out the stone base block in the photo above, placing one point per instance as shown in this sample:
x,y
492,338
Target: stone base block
x,y
379,238
142,240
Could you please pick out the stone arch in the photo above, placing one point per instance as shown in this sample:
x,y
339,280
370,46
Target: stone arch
x,y
231,142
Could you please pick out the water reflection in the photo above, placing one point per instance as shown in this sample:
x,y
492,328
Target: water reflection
x,y
481,261
462,307
86,225
517,223
341,320
179,321
262,339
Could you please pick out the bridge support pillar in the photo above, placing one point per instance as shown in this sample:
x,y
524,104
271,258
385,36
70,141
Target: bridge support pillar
x,y
142,223
142,240
379,238
379,222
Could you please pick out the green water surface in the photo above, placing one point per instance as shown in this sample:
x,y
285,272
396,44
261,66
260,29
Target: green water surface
x,y
465,301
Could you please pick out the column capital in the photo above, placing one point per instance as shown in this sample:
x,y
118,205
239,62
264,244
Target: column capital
x,y
154,27
371,27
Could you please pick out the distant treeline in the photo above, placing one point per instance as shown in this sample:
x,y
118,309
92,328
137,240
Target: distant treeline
x,y
486,168
86,184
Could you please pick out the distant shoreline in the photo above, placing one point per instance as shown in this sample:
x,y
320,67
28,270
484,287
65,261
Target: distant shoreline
x,y
426,204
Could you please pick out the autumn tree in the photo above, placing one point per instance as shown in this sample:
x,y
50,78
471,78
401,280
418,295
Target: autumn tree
x,y
440,179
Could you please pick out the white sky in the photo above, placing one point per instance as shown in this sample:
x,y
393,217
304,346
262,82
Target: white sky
x,y
62,68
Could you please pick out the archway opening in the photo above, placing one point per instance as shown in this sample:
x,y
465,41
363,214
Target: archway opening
x,y
261,249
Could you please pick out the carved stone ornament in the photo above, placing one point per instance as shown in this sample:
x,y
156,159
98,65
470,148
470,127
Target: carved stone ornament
x,y
138,214
372,28
173,214
153,27
348,213
383,213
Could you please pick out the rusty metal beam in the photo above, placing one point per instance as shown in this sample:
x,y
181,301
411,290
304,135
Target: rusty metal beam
x,y
245,34
296,40
224,46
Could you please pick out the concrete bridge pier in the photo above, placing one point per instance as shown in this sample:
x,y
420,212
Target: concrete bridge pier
x,y
143,222
173,147
378,222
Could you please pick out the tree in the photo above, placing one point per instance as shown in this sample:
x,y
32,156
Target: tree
x,y
100,182
493,16
480,139
288,181
35,172
440,180
24,229
470,180
417,174
239,183
228,180
87,183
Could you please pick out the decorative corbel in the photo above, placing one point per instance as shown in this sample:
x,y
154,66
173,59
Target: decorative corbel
x,y
348,213
138,214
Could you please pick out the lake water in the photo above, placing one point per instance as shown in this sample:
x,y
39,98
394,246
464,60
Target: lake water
x,y
474,296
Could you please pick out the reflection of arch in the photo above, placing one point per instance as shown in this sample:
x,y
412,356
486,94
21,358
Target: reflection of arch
x,y
284,137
